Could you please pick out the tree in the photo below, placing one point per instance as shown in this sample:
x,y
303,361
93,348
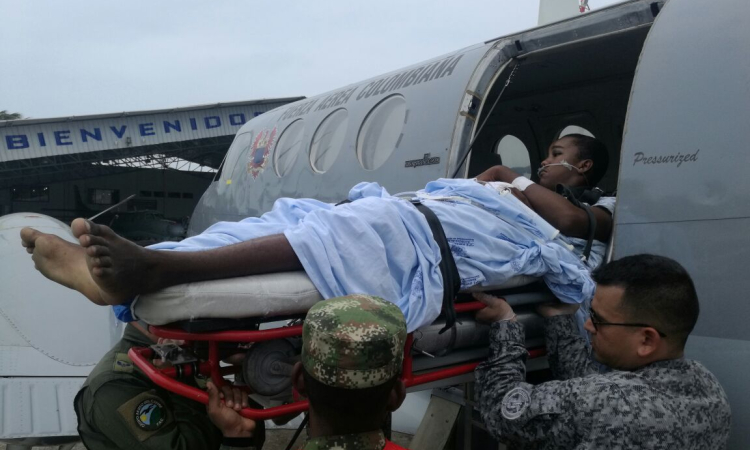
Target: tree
x,y
5,115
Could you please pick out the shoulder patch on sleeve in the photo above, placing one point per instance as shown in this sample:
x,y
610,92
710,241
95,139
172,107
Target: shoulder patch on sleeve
x,y
515,403
144,415
122,363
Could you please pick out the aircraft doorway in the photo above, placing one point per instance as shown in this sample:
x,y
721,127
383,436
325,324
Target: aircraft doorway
x,y
578,87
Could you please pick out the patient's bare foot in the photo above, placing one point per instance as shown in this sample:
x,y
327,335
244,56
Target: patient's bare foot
x,y
119,267
61,262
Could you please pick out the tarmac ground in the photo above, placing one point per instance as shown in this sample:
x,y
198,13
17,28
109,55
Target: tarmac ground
x,y
276,439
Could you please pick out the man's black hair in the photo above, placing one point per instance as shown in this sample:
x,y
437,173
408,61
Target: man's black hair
x,y
658,291
349,408
596,151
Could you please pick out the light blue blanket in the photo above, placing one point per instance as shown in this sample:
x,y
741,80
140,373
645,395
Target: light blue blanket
x,y
381,245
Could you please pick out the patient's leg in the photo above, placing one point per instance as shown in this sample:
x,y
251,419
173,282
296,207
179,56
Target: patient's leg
x,y
61,261
122,269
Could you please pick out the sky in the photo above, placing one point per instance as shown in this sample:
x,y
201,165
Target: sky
x,y
62,59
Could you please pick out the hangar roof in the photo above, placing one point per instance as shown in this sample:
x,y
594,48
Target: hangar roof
x,y
34,151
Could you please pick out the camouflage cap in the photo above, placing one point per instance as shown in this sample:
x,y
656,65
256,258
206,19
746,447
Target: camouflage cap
x,y
353,342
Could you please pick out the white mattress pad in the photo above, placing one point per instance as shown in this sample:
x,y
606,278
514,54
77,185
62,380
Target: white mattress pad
x,y
268,295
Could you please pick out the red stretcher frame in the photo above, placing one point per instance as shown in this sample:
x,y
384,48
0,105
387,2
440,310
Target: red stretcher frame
x,y
166,377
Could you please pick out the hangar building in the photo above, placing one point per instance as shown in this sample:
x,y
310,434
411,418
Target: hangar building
x,y
78,166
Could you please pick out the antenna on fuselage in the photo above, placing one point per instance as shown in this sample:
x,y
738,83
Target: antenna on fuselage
x,y
554,10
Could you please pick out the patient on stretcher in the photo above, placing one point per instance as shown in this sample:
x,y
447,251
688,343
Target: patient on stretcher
x,y
377,244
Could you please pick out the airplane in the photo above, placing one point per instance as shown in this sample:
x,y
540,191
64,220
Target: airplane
x,y
146,227
143,227
662,83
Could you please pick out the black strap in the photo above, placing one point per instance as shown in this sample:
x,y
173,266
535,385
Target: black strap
x,y
592,230
448,269
582,198
298,432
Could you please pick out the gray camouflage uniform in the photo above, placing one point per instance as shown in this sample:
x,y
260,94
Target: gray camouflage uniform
x,y
673,404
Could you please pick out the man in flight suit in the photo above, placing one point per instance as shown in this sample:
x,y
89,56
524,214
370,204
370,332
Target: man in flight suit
x,y
120,408
352,351
644,308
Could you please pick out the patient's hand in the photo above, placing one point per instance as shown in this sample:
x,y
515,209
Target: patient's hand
x,y
498,173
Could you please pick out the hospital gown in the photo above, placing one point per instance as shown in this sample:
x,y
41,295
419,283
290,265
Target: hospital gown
x,y
382,245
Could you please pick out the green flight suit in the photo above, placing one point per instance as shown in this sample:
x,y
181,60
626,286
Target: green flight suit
x,y
119,408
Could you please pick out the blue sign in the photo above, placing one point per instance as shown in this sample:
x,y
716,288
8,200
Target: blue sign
x,y
67,137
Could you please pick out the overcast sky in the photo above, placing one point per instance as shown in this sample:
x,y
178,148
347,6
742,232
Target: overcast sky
x,y
94,56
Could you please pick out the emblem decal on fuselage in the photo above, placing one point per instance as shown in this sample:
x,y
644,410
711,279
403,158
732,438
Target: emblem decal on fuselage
x,y
257,159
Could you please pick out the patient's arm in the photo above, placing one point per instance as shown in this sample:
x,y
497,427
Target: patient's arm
x,y
521,196
569,219
498,173
554,208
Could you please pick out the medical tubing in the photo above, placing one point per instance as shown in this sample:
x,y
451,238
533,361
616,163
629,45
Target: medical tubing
x,y
484,122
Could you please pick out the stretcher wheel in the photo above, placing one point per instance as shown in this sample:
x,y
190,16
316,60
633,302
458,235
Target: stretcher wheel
x,y
267,368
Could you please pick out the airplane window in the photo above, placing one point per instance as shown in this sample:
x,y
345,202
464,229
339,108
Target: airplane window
x,y
287,148
514,155
381,132
328,140
239,147
574,129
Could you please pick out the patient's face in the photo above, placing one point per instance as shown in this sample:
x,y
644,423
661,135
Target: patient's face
x,y
562,150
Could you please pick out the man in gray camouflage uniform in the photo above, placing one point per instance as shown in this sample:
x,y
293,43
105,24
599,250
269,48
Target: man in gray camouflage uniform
x,y
352,351
644,308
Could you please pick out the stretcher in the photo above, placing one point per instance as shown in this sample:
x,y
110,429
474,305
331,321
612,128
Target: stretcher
x,y
261,316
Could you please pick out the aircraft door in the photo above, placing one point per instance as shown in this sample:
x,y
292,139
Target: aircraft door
x,y
683,188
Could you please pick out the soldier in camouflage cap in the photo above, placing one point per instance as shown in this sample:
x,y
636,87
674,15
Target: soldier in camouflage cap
x,y
352,350
353,342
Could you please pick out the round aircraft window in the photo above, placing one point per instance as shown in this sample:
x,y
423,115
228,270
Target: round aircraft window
x,y
239,147
514,155
287,148
574,129
328,140
381,132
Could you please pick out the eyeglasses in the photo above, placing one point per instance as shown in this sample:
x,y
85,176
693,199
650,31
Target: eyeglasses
x,y
596,322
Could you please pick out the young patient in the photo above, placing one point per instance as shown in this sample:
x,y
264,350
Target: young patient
x,y
377,244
